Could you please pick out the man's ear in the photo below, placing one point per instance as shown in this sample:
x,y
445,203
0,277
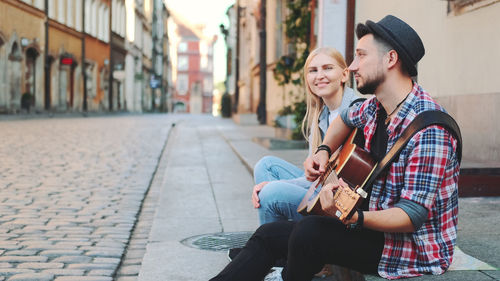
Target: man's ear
x,y
392,59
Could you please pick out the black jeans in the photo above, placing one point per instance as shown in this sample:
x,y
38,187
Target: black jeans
x,y
307,245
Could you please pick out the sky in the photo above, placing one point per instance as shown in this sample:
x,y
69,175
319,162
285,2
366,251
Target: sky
x,y
211,13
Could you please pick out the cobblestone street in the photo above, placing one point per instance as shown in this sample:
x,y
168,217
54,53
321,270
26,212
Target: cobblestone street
x,y
71,191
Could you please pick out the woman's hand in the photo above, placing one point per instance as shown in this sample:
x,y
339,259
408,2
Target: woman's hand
x,y
314,165
255,197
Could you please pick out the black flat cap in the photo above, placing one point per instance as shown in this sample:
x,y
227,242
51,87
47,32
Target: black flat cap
x,y
402,37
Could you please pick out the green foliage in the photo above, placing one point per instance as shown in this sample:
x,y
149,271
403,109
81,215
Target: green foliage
x,y
285,110
297,30
220,86
225,105
299,111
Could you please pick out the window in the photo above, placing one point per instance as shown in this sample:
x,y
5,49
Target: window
x,y
78,15
182,63
39,4
70,19
182,48
100,23
138,31
458,7
207,86
94,19
52,8
106,24
114,16
60,11
88,26
204,62
210,66
122,20
182,84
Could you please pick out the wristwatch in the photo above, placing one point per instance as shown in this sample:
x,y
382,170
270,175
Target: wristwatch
x,y
359,223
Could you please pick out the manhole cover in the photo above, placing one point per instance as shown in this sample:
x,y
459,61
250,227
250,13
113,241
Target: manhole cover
x,y
221,241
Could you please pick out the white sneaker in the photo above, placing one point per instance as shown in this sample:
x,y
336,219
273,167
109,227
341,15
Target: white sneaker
x,y
274,275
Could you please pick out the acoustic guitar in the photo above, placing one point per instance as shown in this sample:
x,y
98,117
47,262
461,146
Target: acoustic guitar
x,y
351,163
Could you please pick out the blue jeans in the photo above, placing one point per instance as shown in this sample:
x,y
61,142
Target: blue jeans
x,y
287,186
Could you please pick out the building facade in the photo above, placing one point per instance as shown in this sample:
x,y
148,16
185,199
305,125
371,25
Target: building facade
x,y
192,55
118,54
97,53
22,45
168,84
64,79
138,61
78,55
459,68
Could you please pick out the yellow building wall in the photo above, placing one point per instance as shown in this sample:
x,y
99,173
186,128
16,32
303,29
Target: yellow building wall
x,y
23,21
13,17
70,42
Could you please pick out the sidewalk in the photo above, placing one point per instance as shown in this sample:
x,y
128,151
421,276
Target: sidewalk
x,y
204,205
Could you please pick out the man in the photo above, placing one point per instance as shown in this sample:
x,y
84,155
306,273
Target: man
x,y
410,226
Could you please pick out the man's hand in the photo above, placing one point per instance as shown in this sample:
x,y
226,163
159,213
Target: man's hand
x,y
314,166
326,196
255,197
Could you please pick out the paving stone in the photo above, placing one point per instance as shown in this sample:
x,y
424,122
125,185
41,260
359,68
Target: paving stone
x,y
23,259
72,245
107,260
56,253
72,259
36,244
64,272
40,265
21,253
100,272
9,245
91,266
37,221
32,277
14,271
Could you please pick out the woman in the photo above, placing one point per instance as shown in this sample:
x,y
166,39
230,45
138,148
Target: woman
x,y
280,186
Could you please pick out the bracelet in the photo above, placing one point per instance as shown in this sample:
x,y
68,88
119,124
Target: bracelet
x,y
325,148
359,223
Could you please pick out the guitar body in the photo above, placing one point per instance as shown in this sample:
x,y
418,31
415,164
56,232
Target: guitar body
x,y
351,163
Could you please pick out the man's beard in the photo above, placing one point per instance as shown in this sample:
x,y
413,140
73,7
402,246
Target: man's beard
x,y
371,85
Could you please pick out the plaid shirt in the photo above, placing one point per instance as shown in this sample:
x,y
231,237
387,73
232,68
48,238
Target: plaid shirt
x,y
426,172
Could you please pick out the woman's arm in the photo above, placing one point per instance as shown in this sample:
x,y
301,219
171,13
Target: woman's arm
x,y
336,134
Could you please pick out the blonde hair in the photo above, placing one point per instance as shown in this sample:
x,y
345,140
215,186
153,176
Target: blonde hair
x,y
314,103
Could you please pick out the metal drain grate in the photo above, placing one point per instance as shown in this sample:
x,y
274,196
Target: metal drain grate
x,y
221,241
